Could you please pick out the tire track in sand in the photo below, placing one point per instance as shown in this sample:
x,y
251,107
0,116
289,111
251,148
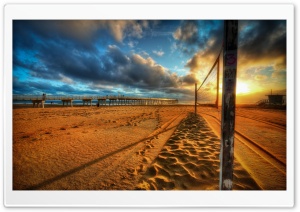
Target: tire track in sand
x,y
265,168
124,172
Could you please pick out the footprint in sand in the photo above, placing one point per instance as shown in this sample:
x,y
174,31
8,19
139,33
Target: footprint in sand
x,y
187,161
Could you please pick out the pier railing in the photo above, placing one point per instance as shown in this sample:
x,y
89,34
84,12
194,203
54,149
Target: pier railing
x,y
53,97
76,97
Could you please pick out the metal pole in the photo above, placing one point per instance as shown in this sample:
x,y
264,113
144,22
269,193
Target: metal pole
x,y
228,104
195,99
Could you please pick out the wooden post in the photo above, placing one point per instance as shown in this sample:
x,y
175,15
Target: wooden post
x,y
195,99
228,104
218,71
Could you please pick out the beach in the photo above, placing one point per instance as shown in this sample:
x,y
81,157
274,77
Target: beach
x,y
159,147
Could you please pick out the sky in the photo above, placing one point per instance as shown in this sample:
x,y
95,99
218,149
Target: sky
x,y
146,58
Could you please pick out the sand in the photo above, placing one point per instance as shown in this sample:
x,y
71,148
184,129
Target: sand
x,y
143,148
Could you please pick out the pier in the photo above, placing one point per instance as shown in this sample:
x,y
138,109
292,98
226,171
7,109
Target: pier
x,y
101,100
137,101
38,102
67,101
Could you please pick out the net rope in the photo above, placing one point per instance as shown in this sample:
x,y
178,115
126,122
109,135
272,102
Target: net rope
x,y
207,91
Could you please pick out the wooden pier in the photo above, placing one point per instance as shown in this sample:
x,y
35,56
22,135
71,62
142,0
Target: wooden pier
x,y
136,101
38,102
87,101
67,101
101,100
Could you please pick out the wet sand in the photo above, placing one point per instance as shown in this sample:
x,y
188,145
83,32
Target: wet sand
x,y
130,148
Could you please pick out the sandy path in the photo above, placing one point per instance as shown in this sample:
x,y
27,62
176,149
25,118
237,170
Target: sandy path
x,y
190,161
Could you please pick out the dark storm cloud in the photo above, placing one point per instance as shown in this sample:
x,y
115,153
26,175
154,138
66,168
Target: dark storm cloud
x,y
256,38
204,44
33,34
194,63
20,87
81,34
55,59
146,73
189,79
259,40
31,87
37,88
183,94
199,35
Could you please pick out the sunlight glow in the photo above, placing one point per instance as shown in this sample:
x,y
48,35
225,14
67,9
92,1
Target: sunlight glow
x,y
242,88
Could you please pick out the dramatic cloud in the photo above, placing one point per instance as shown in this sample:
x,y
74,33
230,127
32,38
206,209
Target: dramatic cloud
x,y
36,88
114,67
104,57
261,44
148,74
262,38
204,36
262,47
194,63
82,34
202,40
189,79
120,29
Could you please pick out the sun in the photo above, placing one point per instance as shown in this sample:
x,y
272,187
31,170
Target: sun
x,y
242,88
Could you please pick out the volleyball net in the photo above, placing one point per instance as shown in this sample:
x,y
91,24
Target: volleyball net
x,y
207,94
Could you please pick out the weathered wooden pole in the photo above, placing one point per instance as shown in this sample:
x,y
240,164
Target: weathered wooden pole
x,y
228,103
195,99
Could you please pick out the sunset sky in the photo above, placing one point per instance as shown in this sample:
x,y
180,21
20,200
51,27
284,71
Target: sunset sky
x,y
154,58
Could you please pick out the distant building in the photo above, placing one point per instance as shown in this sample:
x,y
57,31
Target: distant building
x,y
276,99
273,99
